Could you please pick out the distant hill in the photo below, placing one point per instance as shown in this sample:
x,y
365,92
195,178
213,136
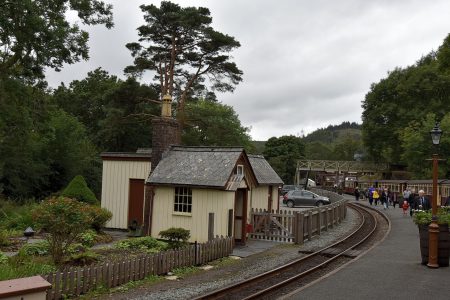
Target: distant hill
x,y
335,133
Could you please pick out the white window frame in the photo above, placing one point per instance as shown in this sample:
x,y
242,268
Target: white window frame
x,y
240,170
182,202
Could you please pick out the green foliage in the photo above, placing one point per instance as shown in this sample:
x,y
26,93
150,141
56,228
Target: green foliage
x,y
146,243
185,271
87,238
16,216
42,147
64,220
18,267
3,258
214,124
404,99
183,49
116,114
83,258
99,217
177,237
424,217
78,189
4,238
32,249
415,142
31,42
282,154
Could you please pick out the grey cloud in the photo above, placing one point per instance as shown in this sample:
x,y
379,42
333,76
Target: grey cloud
x,y
307,64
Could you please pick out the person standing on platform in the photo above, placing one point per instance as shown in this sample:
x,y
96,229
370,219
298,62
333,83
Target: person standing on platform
x,y
421,202
406,194
384,198
376,196
370,195
356,194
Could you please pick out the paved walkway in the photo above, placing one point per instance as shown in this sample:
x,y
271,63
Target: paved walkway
x,y
392,270
252,247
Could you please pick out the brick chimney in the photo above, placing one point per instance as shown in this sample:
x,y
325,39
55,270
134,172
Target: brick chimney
x,y
166,132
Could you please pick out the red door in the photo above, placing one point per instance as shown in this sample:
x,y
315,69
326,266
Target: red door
x,y
136,201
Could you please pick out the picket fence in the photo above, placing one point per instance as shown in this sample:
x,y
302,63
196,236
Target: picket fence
x,y
295,226
75,281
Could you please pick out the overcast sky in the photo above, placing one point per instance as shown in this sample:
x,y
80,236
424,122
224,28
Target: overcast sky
x,y
306,64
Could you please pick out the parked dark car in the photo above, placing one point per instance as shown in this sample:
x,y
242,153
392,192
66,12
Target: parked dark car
x,y
289,187
304,198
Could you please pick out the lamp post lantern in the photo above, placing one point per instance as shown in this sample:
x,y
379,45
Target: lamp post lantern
x,y
433,228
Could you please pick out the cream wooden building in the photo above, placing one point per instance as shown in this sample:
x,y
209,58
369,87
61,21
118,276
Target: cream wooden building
x,y
210,191
123,179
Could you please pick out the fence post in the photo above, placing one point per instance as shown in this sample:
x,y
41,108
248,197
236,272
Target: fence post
x,y
319,221
230,222
211,226
299,235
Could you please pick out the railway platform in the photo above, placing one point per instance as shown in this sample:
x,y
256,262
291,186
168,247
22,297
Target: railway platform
x,y
391,270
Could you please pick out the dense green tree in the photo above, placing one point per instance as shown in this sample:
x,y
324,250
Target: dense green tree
x,y
417,147
211,123
68,151
117,114
282,153
36,34
406,95
23,169
184,51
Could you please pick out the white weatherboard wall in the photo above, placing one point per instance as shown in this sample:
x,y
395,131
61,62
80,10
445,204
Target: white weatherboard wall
x,y
204,201
260,197
115,187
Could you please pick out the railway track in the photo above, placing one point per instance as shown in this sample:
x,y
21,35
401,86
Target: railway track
x,y
305,269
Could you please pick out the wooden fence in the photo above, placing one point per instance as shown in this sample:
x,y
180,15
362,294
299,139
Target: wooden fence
x,y
295,226
79,280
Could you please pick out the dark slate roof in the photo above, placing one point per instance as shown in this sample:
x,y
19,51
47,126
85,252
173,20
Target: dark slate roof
x,y
196,166
263,171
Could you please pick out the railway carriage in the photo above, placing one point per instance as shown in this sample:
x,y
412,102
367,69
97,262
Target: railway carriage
x,y
398,186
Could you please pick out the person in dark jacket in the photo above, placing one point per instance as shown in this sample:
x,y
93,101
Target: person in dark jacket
x,y
357,194
421,202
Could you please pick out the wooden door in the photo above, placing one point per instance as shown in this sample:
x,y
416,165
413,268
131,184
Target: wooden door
x,y
136,201
240,215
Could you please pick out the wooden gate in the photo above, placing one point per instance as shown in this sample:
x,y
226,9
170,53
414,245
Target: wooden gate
x,y
275,226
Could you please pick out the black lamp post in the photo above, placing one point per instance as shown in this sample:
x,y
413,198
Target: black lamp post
x,y
433,228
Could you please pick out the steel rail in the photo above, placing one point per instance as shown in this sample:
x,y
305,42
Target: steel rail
x,y
240,285
315,268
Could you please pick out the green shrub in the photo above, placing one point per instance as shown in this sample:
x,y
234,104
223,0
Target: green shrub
x,y
38,248
87,238
177,237
78,189
4,238
3,258
76,248
16,216
424,217
64,220
99,217
142,243
83,258
17,268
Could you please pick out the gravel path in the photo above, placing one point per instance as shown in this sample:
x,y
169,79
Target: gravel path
x,y
204,281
